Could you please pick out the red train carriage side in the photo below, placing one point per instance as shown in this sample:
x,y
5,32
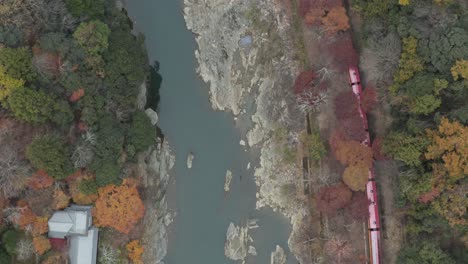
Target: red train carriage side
x,y
371,188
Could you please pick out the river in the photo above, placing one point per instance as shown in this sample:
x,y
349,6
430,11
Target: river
x,y
203,210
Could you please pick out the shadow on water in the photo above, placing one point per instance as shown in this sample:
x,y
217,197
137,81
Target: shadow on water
x,y
155,80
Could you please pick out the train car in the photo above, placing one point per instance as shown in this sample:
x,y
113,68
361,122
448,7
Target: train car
x,y
355,81
371,187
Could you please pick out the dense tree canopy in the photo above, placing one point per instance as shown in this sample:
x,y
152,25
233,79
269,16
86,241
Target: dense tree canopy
x,y
51,154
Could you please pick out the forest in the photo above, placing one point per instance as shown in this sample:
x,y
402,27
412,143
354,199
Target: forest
x,y
70,128
416,53
413,57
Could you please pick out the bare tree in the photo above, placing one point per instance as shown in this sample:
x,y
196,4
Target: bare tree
x,y
82,155
14,172
108,255
12,214
310,101
338,250
24,249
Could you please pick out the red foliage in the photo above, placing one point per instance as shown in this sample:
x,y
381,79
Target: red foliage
x,y
369,98
57,244
82,127
76,95
429,196
377,149
304,7
304,81
342,51
40,180
347,113
358,208
330,199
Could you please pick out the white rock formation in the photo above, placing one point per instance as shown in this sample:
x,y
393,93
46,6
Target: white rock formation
x,y
235,247
190,158
152,115
278,256
227,181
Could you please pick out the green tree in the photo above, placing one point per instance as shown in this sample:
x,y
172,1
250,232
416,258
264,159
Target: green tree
x,y
410,63
404,147
424,252
10,238
51,154
142,133
443,48
90,8
88,186
372,8
315,145
126,67
17,63
93,37
8,84
425,104
30,105
4,256
107,172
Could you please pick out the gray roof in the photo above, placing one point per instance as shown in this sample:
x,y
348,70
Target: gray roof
x,y
73,220
83,249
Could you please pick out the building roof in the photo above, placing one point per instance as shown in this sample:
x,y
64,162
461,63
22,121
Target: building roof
x,y
73,220
83,249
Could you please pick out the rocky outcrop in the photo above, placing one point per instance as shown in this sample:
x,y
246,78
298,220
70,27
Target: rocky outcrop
x,y
235,247
154,167
278,256
245,52
152,115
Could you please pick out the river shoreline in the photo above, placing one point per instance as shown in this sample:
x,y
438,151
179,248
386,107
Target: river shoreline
x,y
235,74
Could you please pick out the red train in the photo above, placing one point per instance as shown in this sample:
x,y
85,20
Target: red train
x,y
371,188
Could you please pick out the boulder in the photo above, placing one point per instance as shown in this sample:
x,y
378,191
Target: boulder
x,y
152,115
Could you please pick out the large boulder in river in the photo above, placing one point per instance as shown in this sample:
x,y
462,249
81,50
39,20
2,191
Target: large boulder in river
x,y
190,158
278,256
235,247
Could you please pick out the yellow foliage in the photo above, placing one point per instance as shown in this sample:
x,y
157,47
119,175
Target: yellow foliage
x,y
409,62
135,250
404,2
8,84
40,226
460,69
449,144
61,200
356,177
41,244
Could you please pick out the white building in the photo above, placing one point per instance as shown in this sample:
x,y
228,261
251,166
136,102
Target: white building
x,y
75,224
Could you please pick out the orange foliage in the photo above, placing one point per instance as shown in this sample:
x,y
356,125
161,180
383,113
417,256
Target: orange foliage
x,y
119,207
353,153
41,244
40,226
40,180
61,200
55,259
27,217
135,250
336,20
76,95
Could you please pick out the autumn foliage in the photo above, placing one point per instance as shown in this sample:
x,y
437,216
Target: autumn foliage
x,y
347,115
330,199
377,149
40,180
352,153
369,98
41,244
40,226
358,208
135,250
74,181
119,207
76,95
61,200
303,81
356,177
449,143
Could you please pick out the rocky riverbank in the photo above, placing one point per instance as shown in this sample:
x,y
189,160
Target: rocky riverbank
x,y
244,52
